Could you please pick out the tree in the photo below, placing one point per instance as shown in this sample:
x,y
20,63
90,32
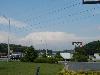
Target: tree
x,y
15,48
58,55
92,47
3,48
44,55
30,54
80,55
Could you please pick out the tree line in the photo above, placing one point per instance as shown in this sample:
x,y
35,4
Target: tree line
x,y
13,47
30,53
83,53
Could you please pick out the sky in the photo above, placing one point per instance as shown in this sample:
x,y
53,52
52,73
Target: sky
x,y
52,24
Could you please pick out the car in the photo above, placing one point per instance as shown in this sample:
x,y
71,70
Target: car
x,y
15,56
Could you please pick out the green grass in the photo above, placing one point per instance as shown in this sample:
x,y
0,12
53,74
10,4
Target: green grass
x,y
22,68
64,72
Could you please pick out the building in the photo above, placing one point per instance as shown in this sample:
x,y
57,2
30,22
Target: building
x,y
95,56
67,54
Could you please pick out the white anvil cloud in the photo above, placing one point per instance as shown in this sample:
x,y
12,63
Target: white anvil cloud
x,y
52,39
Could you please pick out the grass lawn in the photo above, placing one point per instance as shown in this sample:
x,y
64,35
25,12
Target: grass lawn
x,y
22,68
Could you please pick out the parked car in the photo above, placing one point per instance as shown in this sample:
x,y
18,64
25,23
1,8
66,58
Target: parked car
x,y
15,56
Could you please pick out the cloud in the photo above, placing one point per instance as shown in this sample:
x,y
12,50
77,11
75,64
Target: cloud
x,y
50,37
54,39
49,40
4,21
98,27
4,37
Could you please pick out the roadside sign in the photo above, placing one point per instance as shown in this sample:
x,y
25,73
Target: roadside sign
x,y
91,1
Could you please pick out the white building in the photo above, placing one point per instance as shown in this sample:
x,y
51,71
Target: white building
x,y
66,55
96,56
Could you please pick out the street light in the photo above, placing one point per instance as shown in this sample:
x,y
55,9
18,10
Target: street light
x,y
8,37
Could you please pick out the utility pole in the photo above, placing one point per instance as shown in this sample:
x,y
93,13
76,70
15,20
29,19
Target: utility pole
x,y
8,37
8,40
46,48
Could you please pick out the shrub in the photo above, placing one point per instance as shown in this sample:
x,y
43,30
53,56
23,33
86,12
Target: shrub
x,y
45,60
30,54
40,60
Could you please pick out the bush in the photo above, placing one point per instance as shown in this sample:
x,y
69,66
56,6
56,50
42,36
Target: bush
x,y
80,57
46,60
40,60
30,54
23,59
51,60
59,59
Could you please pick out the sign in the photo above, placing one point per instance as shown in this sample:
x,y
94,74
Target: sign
x,y
91,1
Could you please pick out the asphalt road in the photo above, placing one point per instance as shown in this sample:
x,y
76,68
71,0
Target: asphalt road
x,y
85,66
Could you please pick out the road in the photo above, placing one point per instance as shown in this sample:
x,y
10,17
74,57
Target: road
x,y
85,66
